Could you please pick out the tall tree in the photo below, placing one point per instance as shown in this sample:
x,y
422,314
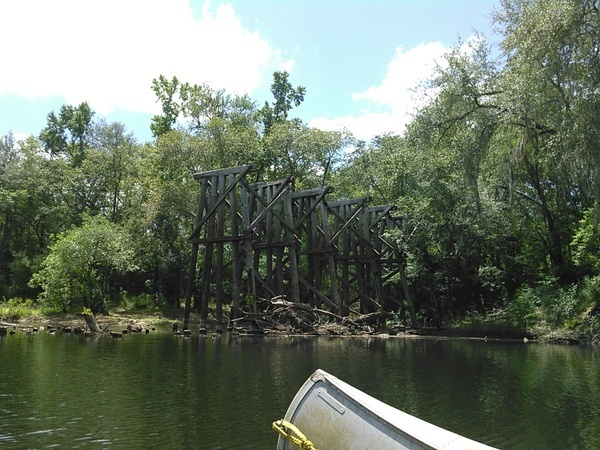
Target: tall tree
x,y
32,201
8,160
69,133
550,88
228,123
167,93
168,202
286,97
114,164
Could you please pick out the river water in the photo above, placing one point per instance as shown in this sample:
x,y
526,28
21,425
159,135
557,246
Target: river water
x,y
158,390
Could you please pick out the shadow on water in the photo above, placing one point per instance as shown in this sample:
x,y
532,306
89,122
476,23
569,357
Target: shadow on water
x,y
164,391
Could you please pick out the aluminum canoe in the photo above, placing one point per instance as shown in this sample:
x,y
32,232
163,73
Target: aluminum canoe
x,y
330,414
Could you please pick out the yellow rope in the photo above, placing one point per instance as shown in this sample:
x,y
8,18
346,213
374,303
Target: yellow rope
x,y
291,432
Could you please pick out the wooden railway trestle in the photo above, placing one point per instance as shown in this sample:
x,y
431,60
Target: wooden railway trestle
x,y
265,240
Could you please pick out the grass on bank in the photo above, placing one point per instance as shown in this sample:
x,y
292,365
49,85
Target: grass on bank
x,y
15,309
18,309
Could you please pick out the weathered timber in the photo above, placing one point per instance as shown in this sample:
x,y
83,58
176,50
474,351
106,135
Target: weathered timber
x,y
262,240
280,316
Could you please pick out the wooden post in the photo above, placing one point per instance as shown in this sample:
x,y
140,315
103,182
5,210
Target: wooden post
x,y
279,243
194,258
249,232
290,238
220,266
331,267
235,248
190,286
207,269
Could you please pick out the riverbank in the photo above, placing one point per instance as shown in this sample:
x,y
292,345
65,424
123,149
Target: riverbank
x,y
116,320
120,319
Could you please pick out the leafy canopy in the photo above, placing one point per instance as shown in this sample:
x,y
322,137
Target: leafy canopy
x,y
78,269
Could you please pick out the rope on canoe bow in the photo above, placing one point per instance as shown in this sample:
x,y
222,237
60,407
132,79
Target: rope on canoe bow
x,y
291,432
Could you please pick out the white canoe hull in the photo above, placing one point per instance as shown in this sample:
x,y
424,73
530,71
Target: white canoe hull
x,y
336,416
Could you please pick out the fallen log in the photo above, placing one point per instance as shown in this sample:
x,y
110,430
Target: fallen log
x,y
343,320
279,315
371,317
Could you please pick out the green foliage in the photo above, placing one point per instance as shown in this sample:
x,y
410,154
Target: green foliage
x,y
166,92
586,243
307,154
589,292
523,308
582,306
552,306
69,132
286,97
557,303
81,263
30,209
16,308
139,302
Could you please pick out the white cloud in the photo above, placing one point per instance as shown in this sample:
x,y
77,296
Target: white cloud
x,y
21,136
365,126
287,65
392,102
107,52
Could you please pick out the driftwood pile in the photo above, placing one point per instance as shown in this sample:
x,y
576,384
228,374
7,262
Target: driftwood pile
x,y
279,316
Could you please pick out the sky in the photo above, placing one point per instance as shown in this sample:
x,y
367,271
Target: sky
x,y
359,60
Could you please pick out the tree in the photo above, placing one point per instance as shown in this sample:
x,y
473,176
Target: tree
x,y
167,94
81,264
8,161
443,173
550,87
31,210
227,123
166,210
69,133
112,167
286,97
307,154
8,150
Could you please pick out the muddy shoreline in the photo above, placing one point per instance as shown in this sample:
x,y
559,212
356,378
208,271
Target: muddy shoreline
x,y
123,322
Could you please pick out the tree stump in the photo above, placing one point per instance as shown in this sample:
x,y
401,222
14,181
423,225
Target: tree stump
x,y
90,321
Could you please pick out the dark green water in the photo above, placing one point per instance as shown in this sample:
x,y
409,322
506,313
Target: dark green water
x,y
163,391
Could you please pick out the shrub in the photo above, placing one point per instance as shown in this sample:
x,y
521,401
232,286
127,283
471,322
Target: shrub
x,y
81,263
523,308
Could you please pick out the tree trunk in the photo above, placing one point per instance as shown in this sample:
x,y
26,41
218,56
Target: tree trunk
x,y
90,320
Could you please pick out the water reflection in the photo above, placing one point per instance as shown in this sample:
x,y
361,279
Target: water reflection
x,y
164,391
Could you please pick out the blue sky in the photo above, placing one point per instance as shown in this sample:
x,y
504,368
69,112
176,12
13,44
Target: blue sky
x,y
359,60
